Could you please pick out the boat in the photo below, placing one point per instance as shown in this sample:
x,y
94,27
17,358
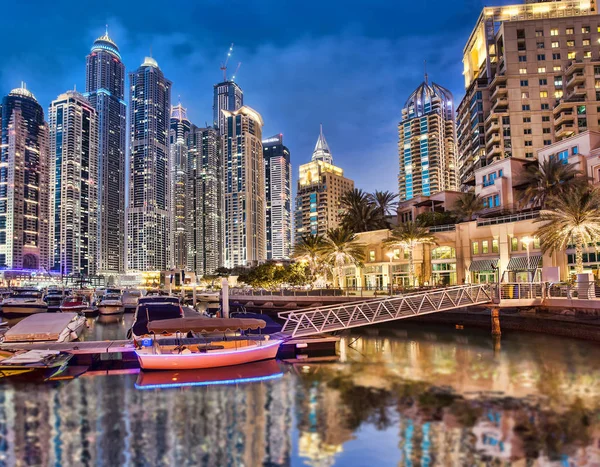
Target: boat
x,y
208,296
33,364
54,298
239,374
185,353
151,309
77,303
49,327
130,299
110,304
24,302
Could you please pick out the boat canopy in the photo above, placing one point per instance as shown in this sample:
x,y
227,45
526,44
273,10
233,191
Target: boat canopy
x,y
204,324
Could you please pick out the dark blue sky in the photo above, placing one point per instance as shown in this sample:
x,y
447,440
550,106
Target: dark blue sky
x,y
350,65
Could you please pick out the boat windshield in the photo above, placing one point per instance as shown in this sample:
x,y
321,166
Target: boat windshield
x,y
26,294
75,299
112,296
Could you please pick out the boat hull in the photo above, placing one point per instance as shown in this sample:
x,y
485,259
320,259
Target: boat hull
x,y
216,359
18,309
110,309
74,309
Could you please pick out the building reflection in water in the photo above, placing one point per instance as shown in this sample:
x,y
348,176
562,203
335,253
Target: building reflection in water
x,y
440,399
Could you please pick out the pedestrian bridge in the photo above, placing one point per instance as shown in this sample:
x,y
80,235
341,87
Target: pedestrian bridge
x,y
355,314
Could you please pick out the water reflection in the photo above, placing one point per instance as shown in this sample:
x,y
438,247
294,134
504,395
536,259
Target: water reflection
x,y
421,398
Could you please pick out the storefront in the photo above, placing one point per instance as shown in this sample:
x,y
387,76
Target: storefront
x,y
351,279
443,266
523,269
484,270
373,277
400,275
591,263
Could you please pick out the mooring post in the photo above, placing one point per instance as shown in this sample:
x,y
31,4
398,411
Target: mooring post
x,y
496,321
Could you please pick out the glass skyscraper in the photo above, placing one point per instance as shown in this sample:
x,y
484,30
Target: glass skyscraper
x,y
105,88
227,96
24,186
74,205
427,142
278,191
149,212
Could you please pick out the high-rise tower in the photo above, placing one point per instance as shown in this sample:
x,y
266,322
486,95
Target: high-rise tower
x,y
149,214
427,142
178,138
227,96
74,205
245,205
278,191
24,183
105,88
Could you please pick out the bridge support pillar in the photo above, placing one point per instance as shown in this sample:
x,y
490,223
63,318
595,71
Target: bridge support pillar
x,y
496,321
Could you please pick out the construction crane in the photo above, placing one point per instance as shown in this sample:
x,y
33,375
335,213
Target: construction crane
x,y
224,65
236,71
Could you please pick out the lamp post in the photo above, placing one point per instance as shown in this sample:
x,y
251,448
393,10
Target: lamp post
x,y
390,255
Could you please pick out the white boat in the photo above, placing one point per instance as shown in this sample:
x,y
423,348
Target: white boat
x,y
24,302
110,304
204,352
77,303
130,299
208,296
49,327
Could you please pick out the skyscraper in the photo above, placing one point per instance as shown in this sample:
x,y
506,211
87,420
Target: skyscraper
x,y
321,186
278,192
427,142
204,202
73,127
244,177
24,190
105,87
178,138
227,96
530,80
149,214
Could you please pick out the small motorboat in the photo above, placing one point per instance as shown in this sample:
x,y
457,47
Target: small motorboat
x,y
33,364
152,309
130,299
49,327
77,303
110,304
54,298
207,350
24,302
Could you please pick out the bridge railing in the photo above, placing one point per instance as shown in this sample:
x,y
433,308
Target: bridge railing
x,y
521,290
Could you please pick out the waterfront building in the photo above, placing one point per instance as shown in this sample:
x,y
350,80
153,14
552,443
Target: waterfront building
x,y
149,212
179,134
321,186
73,127
278,183
244,188
530,79
204,201
427,142
105,89
24,183
227,96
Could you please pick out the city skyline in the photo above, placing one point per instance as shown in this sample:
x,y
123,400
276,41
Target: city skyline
x,y
368,65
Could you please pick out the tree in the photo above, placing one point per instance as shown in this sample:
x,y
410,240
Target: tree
x,y
386,202
408,236
549,178
360,213
342,249
571,218
466,206
310,250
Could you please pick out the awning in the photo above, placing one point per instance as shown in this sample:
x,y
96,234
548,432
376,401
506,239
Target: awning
x,y
484,265
519,263
205,324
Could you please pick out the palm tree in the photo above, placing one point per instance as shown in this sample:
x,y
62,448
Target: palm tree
x,y
310,249
385,201
466,206
548,178
341,249
408,236
361,215
572,217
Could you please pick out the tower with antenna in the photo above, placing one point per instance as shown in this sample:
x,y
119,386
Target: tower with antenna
x,y
227,94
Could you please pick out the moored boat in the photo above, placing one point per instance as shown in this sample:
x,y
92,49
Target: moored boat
x,y
24,302
130,299
110,304
77,303
204,352
33,364
48,327
54,298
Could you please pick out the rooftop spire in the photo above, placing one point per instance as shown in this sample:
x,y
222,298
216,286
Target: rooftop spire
x,y
425,68
322,151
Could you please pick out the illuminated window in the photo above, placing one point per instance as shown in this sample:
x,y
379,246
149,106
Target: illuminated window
x,y
372,255
554,32
585,29
585,42
539,33
571,55
524,95
484,247
543,93
475,247
569,31
443,252
555,45
542,69
587,54
536,243
570,43
556,68
523,71
514,244
495,247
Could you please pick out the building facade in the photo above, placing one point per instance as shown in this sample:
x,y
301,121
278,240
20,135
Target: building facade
x,y
530,77
278,191
227,96
321,186
24,183
105,89
179,134
149,230
427,142
73,127
204,201
244,188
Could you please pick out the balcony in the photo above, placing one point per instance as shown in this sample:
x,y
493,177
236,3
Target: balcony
x,y
576,78
574,66
493,126
578,91
564,117
494,150
493,139
500,90
500,105
564,131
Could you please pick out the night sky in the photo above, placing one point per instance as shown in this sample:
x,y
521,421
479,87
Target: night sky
x,y
349,65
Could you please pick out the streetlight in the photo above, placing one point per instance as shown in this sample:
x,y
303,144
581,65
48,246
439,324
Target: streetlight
x,y
390,255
